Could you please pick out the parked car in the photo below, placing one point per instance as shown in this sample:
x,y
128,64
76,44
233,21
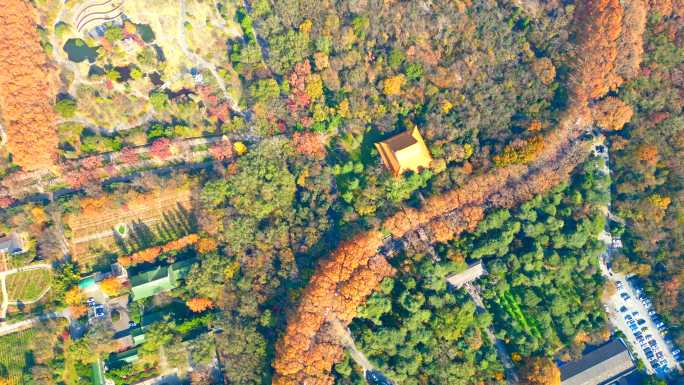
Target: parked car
x,y
653,343
651,312
90,301
628,317
635,313
676,352
625,296
641,321
99,311
623,309
660,355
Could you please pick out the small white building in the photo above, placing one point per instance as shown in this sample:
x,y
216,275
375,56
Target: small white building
x,y
12,243
473,272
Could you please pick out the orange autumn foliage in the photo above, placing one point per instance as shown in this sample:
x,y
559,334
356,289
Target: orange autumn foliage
x,y
611,113
25,91
147,255
540,371
669,293
648,153
309,144
662,7
150,254
307,350
77,311
180,243
198,305
631,41
340,285
206,245
598,26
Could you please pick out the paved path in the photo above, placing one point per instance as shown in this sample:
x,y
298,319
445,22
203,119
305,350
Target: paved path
x,y
501,352
6,329
200,61
635,308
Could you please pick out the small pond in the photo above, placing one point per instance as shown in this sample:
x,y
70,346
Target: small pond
x,y
77,51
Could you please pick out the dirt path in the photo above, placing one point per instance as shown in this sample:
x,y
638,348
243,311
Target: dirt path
x,y
347,341
501,352
31,322
200,61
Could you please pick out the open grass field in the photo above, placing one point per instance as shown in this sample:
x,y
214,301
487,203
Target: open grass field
x,y
27,286
15,356
94,231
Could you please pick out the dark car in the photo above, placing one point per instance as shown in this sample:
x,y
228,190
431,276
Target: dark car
x,y
641,321
99,311
376,378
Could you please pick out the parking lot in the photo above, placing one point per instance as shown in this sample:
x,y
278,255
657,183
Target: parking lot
x,y
629,310
633,314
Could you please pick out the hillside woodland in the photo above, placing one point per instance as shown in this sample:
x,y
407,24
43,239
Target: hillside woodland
x,y
246,157
648,167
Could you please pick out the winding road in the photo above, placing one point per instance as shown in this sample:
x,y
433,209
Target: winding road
x,y
635,308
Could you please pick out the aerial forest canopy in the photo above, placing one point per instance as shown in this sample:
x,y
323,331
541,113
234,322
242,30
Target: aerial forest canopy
x,y
282,192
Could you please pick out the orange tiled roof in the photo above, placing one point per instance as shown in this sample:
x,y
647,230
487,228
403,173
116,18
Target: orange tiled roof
x,y
404,151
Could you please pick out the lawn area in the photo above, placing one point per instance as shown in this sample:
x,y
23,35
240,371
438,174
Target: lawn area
x,y
15,356
27,285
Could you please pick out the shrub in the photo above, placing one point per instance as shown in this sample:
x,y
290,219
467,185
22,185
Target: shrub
x,y
66,107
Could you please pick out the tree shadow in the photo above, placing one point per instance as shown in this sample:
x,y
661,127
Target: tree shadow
x,y
140,236
174,224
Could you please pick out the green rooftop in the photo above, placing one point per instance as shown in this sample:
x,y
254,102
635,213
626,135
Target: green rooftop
x,y
98,375
129,356
159,279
